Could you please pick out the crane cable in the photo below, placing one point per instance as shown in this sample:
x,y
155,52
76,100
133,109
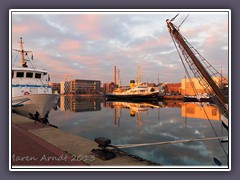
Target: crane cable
x,y
194,90
183,21
15,59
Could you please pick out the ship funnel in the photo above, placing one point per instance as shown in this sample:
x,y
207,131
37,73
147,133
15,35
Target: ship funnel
x,y
132,83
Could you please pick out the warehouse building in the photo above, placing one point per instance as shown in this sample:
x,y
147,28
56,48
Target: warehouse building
x,y
79,86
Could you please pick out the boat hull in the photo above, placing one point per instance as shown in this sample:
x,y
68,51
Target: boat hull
x,y
133,97
190,99
194,99
206,100
37,103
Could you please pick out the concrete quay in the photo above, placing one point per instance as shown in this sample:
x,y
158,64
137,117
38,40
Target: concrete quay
x,y
36,144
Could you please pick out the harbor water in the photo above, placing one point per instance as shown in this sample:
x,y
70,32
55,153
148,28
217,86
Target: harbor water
x,y
149,122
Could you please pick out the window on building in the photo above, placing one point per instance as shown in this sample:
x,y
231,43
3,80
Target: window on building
x,y
190,110
214,112
20,74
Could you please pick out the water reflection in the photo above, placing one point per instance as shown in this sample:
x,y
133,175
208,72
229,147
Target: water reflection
x,y
204,110
132,123
79,103
136,109
200,110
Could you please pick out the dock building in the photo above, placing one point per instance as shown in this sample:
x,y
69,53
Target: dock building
x,y
80,86
109,87
187,88
173,88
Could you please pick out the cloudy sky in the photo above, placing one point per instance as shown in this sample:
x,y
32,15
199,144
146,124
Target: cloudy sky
x,y
89,44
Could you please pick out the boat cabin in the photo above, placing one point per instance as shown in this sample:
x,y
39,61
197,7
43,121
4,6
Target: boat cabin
x,y
29,76
30,81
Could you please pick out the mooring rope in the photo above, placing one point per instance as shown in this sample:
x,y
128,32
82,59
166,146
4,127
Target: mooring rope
x,y
168,142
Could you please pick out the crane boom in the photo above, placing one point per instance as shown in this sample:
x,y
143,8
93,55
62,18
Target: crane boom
x,y
178,37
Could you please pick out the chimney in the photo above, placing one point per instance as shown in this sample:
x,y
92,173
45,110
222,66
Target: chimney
x,y
115,75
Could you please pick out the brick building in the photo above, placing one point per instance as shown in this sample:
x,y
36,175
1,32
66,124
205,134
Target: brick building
x,y
173,88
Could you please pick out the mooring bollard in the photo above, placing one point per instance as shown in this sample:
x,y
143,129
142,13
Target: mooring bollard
x,y
103,142
101,153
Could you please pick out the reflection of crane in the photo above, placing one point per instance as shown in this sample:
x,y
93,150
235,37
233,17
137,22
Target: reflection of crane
x,y
62,76
117,115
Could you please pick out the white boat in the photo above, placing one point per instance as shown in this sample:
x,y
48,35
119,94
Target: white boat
x,y
136,93
198,98
31,94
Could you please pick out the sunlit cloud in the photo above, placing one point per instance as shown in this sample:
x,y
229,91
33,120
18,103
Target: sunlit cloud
x,y
69,46
89,45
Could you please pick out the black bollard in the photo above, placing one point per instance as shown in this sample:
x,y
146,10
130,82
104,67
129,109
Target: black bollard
x,y
102,153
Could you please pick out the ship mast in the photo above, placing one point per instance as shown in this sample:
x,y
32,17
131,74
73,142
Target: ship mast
x,y
177,36
22,51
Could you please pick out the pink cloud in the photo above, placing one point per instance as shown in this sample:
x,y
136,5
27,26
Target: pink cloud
x,y
51,64
193,33
86,60
69,46
20,29
26,28
211,41
153,43
89,24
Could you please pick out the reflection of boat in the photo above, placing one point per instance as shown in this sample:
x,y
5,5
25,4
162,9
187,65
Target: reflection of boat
x,y
136,93
128,104
31,94
134,106
136,109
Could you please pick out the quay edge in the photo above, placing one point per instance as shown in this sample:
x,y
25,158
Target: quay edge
x,y
73,145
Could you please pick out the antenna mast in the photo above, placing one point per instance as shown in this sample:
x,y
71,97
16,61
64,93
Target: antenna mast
x,y
22,51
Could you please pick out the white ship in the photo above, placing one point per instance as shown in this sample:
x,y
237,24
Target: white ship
x,y
136,93
31,94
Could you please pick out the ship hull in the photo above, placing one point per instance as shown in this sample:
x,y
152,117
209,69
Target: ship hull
x,y
41,104
206,99
194,99
133,97
190,99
